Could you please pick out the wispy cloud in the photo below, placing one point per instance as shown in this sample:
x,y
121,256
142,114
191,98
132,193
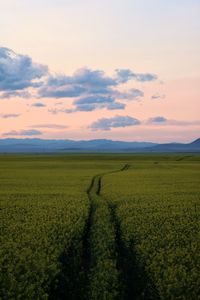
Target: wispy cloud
x,y
160,120
11,94
29,132
7,116
157,120
124,75
50,126
56,111
115,122
97,102
158,96
131,94
38,104
65,91
106,124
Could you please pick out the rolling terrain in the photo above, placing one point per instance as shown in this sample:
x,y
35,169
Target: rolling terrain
x,y
70,146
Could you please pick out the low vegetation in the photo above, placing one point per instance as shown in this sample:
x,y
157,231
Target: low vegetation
x,y
99,227
157,206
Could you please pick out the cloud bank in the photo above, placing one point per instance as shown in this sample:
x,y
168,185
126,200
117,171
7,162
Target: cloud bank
x,y
18,72
89,89
92,89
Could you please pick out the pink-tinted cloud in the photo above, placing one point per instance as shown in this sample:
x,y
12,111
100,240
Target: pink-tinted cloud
x,y
115,122
91,89
28,132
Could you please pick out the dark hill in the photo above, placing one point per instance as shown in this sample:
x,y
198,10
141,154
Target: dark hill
x,y
98,145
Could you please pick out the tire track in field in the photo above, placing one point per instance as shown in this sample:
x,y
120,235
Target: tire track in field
x,y
134,282
134,278
94,191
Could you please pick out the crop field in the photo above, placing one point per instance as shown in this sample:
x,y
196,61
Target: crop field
x,y
100,226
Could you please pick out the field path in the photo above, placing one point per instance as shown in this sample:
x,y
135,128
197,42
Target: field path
x,y
95,185
102,229
122,279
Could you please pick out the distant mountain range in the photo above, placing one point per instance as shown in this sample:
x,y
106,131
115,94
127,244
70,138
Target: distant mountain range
x,y
99,145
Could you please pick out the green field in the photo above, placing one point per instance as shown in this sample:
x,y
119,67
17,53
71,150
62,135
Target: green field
x,y
100,227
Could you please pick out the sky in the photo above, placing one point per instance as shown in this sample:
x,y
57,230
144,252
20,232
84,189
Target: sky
x,y
90,69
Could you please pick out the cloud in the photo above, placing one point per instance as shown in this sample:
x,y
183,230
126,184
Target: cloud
x,y
38,104
115,105
50,126
109,102
130,95
97,102
7,116
183,123
65,91
12,94
169,122
83,81
124,75
157,120
115,122
18,72
93,89
56,111
158,97
89,89
146,77
29,132
91,103
94,106
93,100
93,78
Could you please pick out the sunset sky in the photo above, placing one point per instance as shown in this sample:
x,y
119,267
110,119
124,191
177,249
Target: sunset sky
x,y
90,69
